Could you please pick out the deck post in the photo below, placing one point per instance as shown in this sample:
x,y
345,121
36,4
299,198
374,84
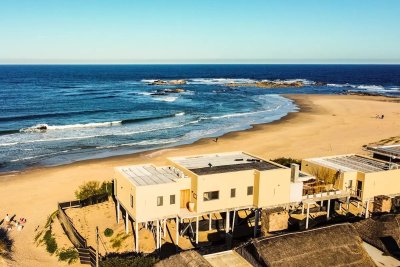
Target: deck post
x,y
177,231
126,222
328,209
157,235
367,209
257,215
209,222
308,214
136,236
118,211
165,227
227,222
197,230
234,220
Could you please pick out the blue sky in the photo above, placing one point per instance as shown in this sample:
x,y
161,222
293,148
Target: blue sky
x,y
206,31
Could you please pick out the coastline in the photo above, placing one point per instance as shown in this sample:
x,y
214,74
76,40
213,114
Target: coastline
x,y
324,125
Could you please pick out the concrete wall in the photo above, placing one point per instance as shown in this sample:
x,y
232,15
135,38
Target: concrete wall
x,y
273,187
381,183
224,182
145,197
296,192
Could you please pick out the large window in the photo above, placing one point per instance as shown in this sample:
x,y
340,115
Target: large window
x,y
131,201
172,199
212,195
249,190
233,192
159,201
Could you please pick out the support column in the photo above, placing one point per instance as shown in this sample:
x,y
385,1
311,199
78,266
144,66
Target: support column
x,y
227,222
209,222
340,206
367,209
257,215
328,209
348,204
118,210
157,235
165,227
136,237
234,221
308,214
126,222
197,230
302,209
177,231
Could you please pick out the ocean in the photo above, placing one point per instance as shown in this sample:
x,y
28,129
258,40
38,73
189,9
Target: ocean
x,y
58,114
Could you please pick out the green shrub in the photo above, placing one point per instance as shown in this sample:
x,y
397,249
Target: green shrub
x,y
69,255
50,241
93,188
286,161
108,232
126,260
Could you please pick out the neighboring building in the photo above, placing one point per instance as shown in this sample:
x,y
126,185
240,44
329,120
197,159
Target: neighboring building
x,y
390,153
201,185
362,176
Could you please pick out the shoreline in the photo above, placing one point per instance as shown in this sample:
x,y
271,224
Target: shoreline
x,y
298,99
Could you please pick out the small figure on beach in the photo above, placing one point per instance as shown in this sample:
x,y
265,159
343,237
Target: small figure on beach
x,y
216,140
380,116
7,219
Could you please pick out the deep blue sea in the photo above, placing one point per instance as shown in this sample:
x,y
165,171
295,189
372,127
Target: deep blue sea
x,y
94,111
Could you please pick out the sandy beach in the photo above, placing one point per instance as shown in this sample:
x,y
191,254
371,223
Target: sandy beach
x,y
325,125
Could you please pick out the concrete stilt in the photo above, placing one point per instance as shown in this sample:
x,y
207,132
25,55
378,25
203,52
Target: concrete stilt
x,y
328,209
234,221
126,222
348,204
367,209
256,219
209,222
157,235
136,237
177,231
118,210
302,209
165,227
358,204
227,222
340,206
197,229
308,214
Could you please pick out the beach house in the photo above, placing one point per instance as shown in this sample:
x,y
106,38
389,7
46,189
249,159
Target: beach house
x,y
363,177
196,187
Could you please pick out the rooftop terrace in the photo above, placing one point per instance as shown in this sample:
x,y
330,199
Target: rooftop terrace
x,y
142,175
224,162
354,163
391,151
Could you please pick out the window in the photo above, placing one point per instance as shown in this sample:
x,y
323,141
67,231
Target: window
x,y
159,201
172,199
249,190
131,201
211,195
233,192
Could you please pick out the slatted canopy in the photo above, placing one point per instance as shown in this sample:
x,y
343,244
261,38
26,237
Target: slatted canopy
x,y
389,151
142,175
354,163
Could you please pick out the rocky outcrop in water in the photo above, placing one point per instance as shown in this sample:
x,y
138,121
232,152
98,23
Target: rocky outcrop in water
x,y
268,84
171,82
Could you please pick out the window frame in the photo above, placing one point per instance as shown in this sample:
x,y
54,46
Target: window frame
x,y
252,190
233,190
160,203
131,200
211,196
172,197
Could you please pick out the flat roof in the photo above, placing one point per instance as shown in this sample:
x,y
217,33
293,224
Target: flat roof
x,y
353,163
390,151
142,175
224,162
